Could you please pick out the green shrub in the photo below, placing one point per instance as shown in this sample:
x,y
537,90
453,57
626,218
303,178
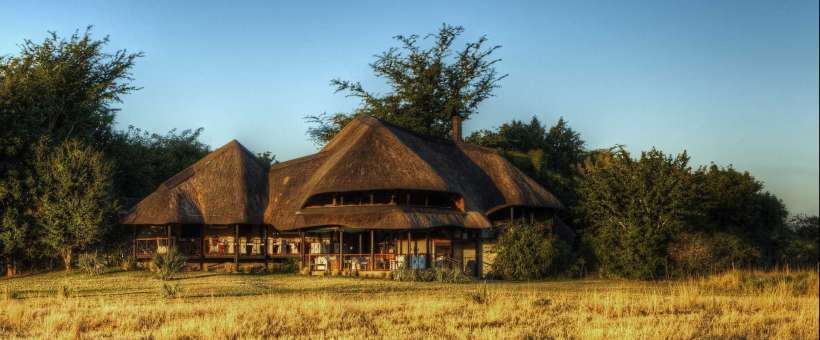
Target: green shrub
x,y
291,265
448,275
701,253
530,252
171,291
91,263
128,263
169,264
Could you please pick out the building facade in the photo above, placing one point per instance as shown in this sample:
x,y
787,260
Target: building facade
x,y
375,198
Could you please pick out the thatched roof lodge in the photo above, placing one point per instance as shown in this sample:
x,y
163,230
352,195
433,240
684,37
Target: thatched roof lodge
x,y
373,182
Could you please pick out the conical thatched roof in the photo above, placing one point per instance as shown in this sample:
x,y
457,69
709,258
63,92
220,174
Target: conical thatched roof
x,y
227,186
372,155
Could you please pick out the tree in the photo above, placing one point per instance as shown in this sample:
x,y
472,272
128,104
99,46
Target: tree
x,y
143,160
735,202
75,203
267,158
550,156
633,207
60,88
429,85
799,244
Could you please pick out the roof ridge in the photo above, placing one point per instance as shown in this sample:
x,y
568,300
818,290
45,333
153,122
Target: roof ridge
x,y
202,164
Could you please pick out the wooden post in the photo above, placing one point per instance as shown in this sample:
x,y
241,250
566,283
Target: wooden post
x,y
360,243
372,245
452,246
341,249
236,247
134,241
202,247
512,216
302,249
168,228
479,261
427,259
410,245
265,244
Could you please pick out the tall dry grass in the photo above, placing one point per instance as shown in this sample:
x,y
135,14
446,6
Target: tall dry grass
x,y
131,305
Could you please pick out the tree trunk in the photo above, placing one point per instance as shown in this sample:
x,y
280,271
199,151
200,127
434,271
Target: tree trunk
x,y
67,260
11,268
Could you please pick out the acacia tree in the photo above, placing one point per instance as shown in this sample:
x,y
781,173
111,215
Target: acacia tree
x,y
61,88
76,203
429,85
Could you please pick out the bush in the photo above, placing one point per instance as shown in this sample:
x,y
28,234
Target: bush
x,y
530,252
169,264
291,265
171,291
448,275
128,263
700,253
91,263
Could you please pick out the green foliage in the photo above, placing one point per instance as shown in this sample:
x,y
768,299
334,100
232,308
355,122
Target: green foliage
x,y
428,85
633,207
530,252
91,263
171,290
75,203
62,88
266,158
446,275
548,155
143,160
734,202
168,264
694,253
798,244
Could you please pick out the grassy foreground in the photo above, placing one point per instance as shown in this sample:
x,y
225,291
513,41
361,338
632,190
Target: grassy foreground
x,y
213,305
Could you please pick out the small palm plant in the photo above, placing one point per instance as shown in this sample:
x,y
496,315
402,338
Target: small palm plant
x,y
169,264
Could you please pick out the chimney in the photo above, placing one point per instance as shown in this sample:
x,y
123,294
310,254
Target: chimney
x,y
455,122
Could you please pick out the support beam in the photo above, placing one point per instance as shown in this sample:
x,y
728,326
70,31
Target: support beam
x,y
236,247
360,243
372,250
265,244
202,247
427,259
410,243
134,241
168,229
302,250
341,249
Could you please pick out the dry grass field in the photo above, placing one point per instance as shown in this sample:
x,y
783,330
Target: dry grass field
x,y
212,305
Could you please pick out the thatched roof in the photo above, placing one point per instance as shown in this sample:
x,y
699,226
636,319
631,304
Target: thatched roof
x,y
227,186
369,154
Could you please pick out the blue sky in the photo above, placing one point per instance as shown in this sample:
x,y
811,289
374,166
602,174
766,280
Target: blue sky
x,y
731,82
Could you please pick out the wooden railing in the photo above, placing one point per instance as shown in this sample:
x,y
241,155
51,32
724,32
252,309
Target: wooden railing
x,y
145,247
352,262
